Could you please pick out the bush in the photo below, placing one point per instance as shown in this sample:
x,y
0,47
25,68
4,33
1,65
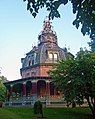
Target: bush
x,y
38,109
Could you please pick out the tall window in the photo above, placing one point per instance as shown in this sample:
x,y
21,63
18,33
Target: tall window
x,y
55,57
29,62
51,56
32,62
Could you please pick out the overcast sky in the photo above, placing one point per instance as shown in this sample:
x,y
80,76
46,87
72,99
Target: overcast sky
x,y
19,31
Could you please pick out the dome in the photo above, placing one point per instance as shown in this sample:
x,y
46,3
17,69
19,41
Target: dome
x,y
46,54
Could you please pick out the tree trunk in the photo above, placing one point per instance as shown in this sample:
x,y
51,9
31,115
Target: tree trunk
x,y
42,113
93,114
92,107
1,104
73,104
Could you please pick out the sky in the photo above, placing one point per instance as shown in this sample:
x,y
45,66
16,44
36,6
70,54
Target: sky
x,y
19,32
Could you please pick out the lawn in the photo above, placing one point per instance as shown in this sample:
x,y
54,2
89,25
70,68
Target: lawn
x,y
50,113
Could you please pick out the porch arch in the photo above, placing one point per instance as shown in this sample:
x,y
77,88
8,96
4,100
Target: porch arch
x,y
41,88
28,88
17,90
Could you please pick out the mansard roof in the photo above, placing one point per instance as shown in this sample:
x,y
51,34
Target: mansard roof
x,y
47,44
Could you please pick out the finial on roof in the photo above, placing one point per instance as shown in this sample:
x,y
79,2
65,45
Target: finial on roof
x,y
47,24
47,34
46,19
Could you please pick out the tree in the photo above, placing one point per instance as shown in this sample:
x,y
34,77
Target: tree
x,y
92,44
2,92
84,10
3,79
76,79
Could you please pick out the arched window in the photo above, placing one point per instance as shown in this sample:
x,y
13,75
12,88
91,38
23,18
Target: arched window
x,y
55,56
29,62
50,56
34,58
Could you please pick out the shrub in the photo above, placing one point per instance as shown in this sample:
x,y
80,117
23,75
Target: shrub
x,y
38,109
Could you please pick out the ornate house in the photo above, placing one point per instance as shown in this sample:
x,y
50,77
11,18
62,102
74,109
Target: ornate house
x,y
36,82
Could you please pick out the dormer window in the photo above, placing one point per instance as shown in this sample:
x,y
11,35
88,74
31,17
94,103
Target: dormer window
x,y
30,62
51,56
55,57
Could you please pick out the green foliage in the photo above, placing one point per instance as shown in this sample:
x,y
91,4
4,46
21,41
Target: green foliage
x,y
2,92
92,44
76,78
84,10
38,108
85,15
3,79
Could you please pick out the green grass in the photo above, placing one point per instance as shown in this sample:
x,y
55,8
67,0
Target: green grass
x,y
50,113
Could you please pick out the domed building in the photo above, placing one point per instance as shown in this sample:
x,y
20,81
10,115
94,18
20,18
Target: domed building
x,y
35,82
41,58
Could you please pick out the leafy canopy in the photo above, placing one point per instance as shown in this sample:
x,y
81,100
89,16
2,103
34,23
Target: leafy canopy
x,y
84,10
76,78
